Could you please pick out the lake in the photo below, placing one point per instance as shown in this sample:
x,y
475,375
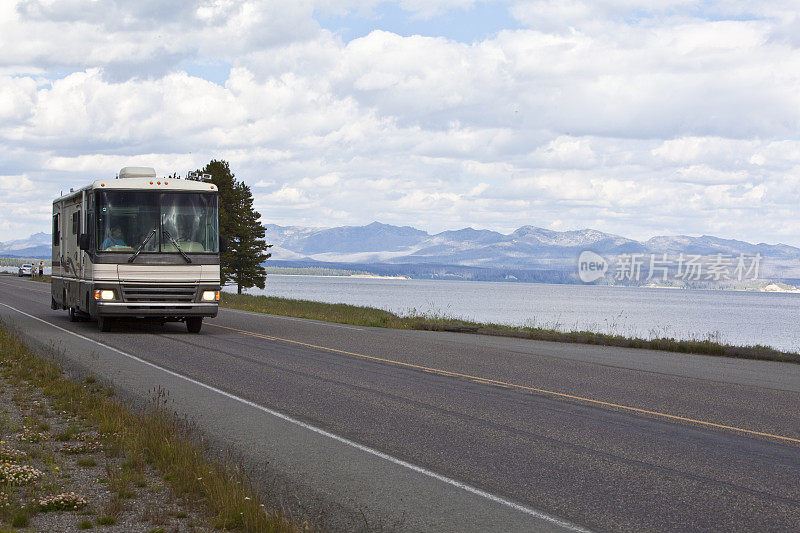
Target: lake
x,y
731,317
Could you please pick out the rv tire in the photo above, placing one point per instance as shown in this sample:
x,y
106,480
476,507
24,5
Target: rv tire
x,y
193,324
104,323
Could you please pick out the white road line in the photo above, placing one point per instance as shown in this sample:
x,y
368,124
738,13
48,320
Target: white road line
x,y
424,471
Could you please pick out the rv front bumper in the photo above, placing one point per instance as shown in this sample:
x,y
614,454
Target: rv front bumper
x,y
157,309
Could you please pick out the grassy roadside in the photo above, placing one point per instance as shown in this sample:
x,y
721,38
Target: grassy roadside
x,y
370,316
153,438
373,317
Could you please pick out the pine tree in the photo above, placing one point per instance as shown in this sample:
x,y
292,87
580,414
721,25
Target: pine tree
x,y
239,222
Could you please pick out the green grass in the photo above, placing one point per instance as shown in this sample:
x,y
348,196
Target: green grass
x,y
152,437
20,518
37,277
372,317
341,313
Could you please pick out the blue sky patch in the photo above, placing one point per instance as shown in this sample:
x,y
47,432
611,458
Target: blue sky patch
x,y
482,20
214,71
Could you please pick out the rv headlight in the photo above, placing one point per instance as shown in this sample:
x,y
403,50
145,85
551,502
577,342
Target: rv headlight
x,y
210,296
104,294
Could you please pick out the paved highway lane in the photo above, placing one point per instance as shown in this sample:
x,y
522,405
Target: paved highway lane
x,y
594,437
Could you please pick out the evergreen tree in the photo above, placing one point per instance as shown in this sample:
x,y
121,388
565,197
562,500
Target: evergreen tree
x,y
239,222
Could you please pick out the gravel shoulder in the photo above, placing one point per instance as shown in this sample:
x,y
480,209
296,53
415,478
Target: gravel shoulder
x,y
62,474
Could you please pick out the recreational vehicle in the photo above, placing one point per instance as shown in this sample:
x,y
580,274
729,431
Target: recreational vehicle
x,y
137,246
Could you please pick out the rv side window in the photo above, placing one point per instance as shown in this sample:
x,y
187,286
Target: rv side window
x,y
56,234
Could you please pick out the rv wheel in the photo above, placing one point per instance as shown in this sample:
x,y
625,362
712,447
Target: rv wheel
x,y
104,323
194,324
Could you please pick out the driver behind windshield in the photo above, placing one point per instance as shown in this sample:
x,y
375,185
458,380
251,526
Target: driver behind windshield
x,y
115,239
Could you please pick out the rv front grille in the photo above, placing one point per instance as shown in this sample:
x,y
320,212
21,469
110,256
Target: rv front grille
x,y
158,293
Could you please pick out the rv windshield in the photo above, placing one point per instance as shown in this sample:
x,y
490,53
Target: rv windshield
x,y
126,218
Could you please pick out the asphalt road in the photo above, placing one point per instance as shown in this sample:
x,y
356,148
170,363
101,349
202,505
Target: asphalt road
x,y
383,429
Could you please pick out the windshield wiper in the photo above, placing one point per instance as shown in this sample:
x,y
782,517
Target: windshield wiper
x,y
144,243
175,244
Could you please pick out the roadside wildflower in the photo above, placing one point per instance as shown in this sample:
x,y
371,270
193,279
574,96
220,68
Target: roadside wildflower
x,y
82,447
8,453
66,501
88,436
18,474
29,435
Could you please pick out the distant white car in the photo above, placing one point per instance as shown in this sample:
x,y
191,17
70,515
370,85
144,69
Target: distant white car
x,y
26,270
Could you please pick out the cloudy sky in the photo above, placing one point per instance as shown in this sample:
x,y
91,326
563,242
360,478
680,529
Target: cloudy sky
x,y
636,117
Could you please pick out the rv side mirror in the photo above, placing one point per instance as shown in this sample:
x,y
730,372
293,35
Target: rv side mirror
x,y
223,244
83,241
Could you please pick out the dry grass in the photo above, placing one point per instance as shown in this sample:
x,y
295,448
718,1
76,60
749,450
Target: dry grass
x,y
154,438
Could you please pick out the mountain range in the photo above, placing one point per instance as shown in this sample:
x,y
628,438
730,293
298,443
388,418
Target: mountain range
x,y
528,253
525,248
36,246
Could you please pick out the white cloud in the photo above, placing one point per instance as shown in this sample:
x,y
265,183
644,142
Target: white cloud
x,y
145,38
704,174
326,180
17,99
633,116
102,165
287,195
568,151
15,184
